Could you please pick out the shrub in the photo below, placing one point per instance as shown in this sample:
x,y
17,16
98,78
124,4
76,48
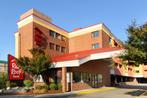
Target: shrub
x,y
40,87
3,80
42,91
28,83
59,86
53,86
1,84
12,84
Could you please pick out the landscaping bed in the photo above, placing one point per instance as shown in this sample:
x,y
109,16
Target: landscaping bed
x,y
30,89
31,92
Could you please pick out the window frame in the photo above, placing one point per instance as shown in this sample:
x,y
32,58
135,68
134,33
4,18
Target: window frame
x,y
63,49
58,48
50,46
94,45
52,33
95,34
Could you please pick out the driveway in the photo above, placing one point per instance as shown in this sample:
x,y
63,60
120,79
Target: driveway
x,y
118,93
115,93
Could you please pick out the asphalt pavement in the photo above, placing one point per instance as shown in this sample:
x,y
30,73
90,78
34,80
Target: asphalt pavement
x,y
114,93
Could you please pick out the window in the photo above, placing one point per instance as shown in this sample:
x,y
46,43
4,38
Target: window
x,y
96,45
115,64
100,78
145,70
115,44
120,66
52,33
57,48
129,69
63,38
95,34
76,77
52,45
110,41
137,71
62,49
58,36
92,79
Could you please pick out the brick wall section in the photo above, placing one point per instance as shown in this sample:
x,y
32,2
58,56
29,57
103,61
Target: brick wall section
x,y
96,66
105,40
53,40
84,42
27,42
80,86
26,39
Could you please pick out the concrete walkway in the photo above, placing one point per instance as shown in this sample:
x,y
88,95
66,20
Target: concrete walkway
x,y
76,93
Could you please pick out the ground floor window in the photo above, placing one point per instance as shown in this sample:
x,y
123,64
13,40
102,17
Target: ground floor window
x,y
93,79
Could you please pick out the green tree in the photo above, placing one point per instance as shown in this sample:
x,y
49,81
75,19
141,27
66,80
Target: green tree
x,y
3,80
35,66
136,45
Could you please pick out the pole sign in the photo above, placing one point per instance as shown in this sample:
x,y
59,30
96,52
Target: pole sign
x,y
14,71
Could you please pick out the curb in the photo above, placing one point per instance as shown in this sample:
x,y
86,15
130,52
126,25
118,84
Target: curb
x,y
96,90
68,94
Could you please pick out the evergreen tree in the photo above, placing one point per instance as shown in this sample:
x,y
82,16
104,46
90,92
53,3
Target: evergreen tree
x,y
136,45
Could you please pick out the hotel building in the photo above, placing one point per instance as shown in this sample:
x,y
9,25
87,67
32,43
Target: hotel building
x,y
3,66
81,58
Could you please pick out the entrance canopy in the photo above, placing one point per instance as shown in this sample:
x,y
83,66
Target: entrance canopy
x,y
77,58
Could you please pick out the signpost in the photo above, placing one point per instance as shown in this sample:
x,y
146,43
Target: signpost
x,y
14,71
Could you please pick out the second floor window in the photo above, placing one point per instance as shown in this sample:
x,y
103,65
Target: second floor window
x,y
57,48
52,45
95,34
62,49
96,45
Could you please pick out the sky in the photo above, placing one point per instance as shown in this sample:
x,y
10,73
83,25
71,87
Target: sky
x,y
117,15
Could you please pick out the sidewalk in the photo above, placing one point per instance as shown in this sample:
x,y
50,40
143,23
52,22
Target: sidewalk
x,y
76,93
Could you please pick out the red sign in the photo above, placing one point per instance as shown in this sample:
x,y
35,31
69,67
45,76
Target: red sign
x,y
15,73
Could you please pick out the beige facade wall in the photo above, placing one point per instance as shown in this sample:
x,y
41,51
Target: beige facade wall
x,y
17,45
3,67
131,70
36,13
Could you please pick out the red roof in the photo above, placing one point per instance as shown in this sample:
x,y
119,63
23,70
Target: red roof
x,y
81,54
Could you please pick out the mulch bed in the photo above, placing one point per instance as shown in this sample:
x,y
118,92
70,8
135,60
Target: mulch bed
x,y
49,92
54,91
31,93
